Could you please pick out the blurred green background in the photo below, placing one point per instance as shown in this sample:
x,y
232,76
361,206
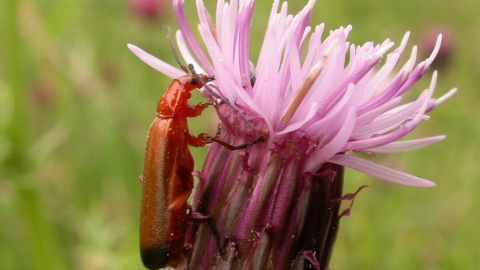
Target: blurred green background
x,y
76,104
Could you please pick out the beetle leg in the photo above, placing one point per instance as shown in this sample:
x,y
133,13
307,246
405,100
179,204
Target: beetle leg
x,y
199,141
199,218
241,146
179,201
204,138
193,111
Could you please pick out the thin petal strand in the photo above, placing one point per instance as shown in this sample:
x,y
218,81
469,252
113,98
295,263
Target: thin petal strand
x,y
406,145
156,63
380,172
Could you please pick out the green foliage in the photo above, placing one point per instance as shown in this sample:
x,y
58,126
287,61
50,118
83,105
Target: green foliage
x,y
76,104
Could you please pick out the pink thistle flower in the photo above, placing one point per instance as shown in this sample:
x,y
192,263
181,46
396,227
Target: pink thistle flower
x,y
276,203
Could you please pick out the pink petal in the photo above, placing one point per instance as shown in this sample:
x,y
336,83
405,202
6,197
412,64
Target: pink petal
x,y
406,145
156,63
379,171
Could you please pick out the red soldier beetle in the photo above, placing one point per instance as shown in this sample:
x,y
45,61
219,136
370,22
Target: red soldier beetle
x,y
167,175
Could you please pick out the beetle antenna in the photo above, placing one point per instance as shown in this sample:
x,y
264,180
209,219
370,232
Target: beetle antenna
x,y
216,95
174,49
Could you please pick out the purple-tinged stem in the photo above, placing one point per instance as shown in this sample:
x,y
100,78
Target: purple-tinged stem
x,y
268,211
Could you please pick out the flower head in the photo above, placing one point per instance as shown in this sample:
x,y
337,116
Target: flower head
x,y
345,107
316,111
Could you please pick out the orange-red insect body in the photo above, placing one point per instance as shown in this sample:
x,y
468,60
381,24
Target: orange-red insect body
x,y
167,175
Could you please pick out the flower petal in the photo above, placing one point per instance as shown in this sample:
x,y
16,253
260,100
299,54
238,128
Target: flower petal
x,y
189,37
406,145
379,171
156,63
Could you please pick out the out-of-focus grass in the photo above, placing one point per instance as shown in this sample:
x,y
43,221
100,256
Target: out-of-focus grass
x,y
75,106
